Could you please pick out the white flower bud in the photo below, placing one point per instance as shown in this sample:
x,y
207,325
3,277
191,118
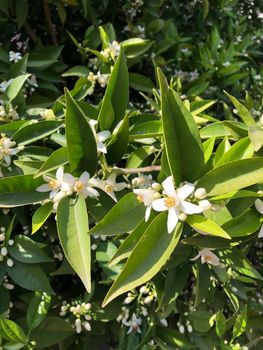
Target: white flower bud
x,y
11,242
10,263
78,325
148,299
79,309
144,290
128,300
163,322
200,193
9,286
190,328
2,237
87,306
87,326
94,246
205,204
181,329
4,251
156,186
87,317
182,216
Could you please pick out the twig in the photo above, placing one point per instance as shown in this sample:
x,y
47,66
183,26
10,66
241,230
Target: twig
x,y
146,169
31,32
49,22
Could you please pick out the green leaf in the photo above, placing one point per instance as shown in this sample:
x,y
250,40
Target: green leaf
x,y
202,283
255,134
52,331
40,216
208,147
117,147
15,87
20,190
73,227
244,224
21,13
36,131
217,130
181,137
222,148
151,128
141,83
241,323
78,71
244,114
242,149
232,176
58,158
116,97
122,218
135,46
37,310
148,257
12,331
82,147
27,251
206,226
220,324
30,277
137,157
200,320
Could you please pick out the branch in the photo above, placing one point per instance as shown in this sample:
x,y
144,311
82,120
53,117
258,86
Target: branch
x,y
49,22
146,169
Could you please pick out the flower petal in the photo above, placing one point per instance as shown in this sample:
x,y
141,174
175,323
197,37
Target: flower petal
x,y
148,212
112,195
101,147
158,205
97,183
84,177
90,192
68,182
111,180
190,208
168,187
59,174
43,188
119,186
259,206
185,191
172,219
260,234
103,135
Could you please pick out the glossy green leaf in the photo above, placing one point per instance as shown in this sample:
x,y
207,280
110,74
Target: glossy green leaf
x,y
36,131
137,157
135,46
241,323
20,190
208,147
222,148
40,216
181,137
243,112
123,217
73,227
232,176
30,276
148,257
15,87
58,158
151,128
202,283
116,97
37,310
255,134
27,251
206,226
244,224
118,144
12,331
82,147
217,130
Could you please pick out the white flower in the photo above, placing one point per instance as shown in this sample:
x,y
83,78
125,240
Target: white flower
x,y
52,184
259,207
100,137
142,181
102,79
6,150
207,257
109,185
175,202
81,185
114,48
134,324
14,56
146,196
4,85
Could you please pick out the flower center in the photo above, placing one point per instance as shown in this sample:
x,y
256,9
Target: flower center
x,y
207,258
140,198
79,186
53,184
108,188
170,202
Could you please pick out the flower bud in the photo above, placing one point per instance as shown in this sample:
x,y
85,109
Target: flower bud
x,y
200,193
4,251
2,237
87,306
182,216
163,322
11,242
148,299
156,186
128,300
144,290
87,326
10,262
78,325
205,204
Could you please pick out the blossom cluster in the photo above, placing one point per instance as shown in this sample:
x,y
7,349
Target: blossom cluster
x,y
80,312
7,149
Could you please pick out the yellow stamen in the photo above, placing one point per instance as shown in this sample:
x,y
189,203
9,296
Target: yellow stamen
x,y
169,202
108,188
140,198
79,186
53,184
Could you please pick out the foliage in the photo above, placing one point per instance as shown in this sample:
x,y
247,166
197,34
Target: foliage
x,y
131,175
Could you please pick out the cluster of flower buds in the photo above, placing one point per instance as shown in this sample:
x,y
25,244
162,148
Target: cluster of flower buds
x,y
101,79
7,149
111,51
4,249
7,115
80,313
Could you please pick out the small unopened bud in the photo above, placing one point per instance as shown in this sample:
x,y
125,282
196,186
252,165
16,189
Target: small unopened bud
x,y
181,329
200,193
128,300
9,263
148,299
2,237
163,322
205,204
190,328
9,286
87,326
182,216
94,246
157,195
156,186
87,306
11,242
78,325
4,251
144,290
